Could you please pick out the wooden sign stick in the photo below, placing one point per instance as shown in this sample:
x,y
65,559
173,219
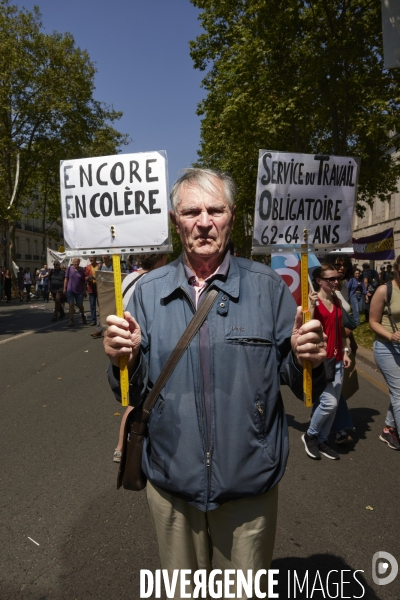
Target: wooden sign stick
x,y
123,361
307,366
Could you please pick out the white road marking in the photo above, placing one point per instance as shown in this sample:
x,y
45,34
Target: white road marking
x,y
20,335
33,541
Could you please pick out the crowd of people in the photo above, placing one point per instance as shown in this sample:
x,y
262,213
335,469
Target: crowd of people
x,y
64,285
340,288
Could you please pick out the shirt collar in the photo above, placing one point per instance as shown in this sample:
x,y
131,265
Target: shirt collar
x,y
177,278
221,270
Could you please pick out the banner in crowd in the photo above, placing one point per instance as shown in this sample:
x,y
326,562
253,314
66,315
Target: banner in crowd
x,y
288,265
53,255
375,247
115,202
304,191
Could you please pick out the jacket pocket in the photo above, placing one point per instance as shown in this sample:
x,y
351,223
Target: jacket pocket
x,y
248,340
259,412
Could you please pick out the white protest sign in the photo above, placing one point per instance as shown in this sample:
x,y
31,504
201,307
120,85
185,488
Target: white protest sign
x,y
116,202
304,191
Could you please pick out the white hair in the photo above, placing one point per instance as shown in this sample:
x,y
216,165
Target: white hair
x,y
204,179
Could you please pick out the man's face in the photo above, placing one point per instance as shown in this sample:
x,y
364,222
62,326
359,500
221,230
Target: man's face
x,y
92,260
76,262
204,221
57,265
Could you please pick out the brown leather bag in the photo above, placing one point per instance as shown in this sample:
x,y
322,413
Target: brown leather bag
x,y
130,474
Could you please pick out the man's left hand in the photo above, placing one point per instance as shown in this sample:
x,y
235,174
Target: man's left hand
x,y
308,340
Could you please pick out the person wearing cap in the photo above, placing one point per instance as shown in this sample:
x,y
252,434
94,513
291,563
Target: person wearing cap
x,y
56,284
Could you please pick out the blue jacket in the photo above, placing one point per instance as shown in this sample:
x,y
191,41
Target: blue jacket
x,y
250,326
352,285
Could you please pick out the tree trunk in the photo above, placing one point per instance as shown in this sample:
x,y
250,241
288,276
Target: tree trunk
x,y
44,248
10,250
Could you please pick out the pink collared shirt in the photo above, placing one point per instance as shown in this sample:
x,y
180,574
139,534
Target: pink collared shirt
x,y
198,286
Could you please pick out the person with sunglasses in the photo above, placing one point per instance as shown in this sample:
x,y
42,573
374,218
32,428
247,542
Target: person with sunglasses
x,y
343,425
327,308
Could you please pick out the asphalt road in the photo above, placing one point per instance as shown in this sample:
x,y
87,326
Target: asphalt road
x,y
59,427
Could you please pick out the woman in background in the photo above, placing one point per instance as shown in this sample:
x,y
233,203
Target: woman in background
x,y
326,307
387,351
357,291
343,424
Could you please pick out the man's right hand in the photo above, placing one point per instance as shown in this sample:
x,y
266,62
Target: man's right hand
x,y
122,338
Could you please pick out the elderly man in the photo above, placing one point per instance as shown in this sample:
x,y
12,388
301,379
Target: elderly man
x,y
218,438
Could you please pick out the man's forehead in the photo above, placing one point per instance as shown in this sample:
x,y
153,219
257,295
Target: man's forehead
x,y
194,195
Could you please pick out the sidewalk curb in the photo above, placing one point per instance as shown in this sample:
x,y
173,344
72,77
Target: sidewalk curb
x,y
366,356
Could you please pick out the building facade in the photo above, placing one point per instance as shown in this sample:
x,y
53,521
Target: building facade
x,y
383,215
31,244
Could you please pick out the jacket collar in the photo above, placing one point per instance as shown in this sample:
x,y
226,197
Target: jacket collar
x,y
177,279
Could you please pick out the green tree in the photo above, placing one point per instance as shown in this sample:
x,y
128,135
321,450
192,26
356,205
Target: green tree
x,y
297,77
47,113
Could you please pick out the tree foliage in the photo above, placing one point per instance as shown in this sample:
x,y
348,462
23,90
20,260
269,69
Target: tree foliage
x,y
47,111
296,76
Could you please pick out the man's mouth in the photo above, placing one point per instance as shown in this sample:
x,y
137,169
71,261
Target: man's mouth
x,y
205,239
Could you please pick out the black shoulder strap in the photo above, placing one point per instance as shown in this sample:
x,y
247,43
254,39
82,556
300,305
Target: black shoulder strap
x,y
337,337
389,289
187,336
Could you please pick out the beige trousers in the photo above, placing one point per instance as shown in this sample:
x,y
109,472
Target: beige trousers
x,y
238,535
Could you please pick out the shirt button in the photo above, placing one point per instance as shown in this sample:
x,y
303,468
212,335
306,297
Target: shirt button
x,y
222,305
224,298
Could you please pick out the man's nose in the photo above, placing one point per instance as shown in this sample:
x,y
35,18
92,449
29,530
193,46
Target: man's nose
x,y
204,219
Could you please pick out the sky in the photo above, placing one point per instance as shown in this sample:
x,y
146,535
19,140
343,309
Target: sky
x,y
141,52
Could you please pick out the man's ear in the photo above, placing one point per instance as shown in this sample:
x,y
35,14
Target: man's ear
x,y
172,216
233,214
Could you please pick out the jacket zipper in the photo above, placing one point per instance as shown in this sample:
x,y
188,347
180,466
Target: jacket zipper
x,y
207,447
